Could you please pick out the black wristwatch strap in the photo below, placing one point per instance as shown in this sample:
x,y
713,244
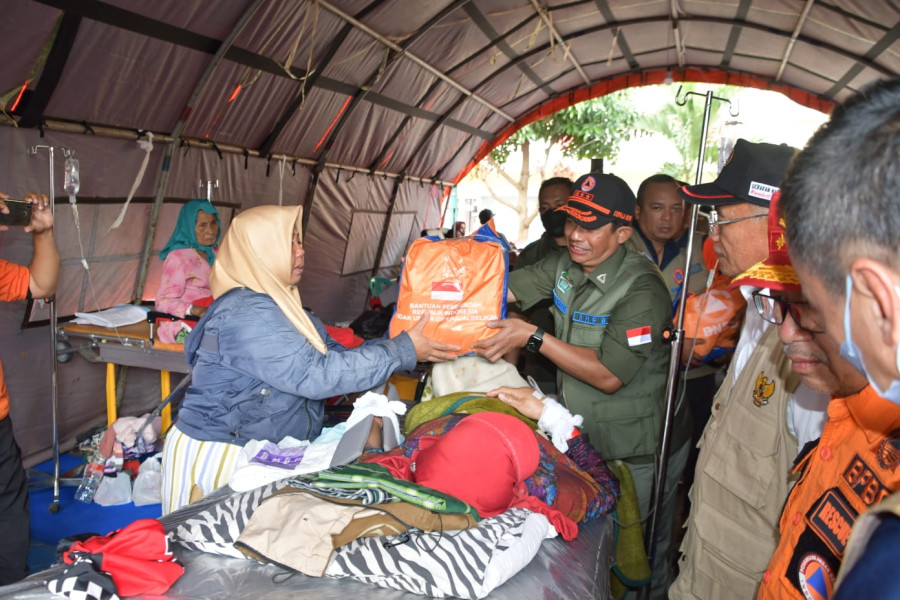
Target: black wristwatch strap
x,y
533,344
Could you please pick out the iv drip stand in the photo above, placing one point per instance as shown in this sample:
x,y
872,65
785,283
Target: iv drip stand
x,y
659,487
54,388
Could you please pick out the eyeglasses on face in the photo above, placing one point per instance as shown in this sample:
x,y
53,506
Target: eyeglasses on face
x,y
715,222
774,311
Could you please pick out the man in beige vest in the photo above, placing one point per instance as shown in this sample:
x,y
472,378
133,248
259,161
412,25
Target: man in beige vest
x,y
841,205
760,416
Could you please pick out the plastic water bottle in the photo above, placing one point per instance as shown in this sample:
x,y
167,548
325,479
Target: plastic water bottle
x,y
72,181
90,481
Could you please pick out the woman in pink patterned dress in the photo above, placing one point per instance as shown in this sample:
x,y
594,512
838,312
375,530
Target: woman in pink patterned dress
x,y
187,260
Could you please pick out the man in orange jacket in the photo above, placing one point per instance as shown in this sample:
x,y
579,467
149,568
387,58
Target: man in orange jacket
x,y
37,280
851,467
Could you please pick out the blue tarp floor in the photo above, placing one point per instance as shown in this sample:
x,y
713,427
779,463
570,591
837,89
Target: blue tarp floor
x,y
73,516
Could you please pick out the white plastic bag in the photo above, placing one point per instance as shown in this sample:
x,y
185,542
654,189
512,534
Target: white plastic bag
x,y
148,485
114,490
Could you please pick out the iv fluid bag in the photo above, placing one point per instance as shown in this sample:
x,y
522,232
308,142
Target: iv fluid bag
x,y
72,179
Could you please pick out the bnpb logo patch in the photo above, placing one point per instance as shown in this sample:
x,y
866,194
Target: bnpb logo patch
x,y
889,451
588,184
816,578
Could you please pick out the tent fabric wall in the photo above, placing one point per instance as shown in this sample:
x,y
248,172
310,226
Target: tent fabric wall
x,y
364,111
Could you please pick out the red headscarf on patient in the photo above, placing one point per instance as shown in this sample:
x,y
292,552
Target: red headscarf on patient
x,y
484,462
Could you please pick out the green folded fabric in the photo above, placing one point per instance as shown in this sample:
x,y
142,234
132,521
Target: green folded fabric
x,y
631,568
460,402
370,475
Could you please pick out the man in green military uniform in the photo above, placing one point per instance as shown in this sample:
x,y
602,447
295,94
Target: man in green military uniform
x,y
610,307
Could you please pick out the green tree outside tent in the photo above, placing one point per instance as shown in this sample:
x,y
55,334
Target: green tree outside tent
x,y
683,126
594,128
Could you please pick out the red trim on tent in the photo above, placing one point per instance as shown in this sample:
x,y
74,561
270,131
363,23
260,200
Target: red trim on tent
x,y
333,122
19,96
655,77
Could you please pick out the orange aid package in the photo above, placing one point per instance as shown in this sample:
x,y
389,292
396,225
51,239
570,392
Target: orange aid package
x,y
461,283
714,318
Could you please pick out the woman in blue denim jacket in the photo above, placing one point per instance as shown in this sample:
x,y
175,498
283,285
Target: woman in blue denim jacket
x,y
262,365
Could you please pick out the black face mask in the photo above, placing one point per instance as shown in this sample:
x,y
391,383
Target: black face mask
x,y
554,222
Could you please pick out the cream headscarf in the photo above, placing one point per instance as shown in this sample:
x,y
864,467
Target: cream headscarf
x,y
256,254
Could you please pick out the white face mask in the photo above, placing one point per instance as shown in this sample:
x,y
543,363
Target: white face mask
x,y
850,352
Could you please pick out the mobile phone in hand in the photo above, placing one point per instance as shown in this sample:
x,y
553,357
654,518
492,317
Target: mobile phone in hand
x,y
19,213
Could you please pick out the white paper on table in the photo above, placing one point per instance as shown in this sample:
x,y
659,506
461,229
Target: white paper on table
x,y
117,316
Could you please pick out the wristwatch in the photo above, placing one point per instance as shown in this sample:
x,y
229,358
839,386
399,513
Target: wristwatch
x,y
533,344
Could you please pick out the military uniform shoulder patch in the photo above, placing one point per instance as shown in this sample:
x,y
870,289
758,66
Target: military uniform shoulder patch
x,y
763,389
564,283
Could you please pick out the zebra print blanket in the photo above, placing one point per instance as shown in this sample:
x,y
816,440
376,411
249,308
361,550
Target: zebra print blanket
x,y
216,528
462,564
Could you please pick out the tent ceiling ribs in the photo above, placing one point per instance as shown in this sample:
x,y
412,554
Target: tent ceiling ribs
x,y
425,65
542,13
428,135
852,16
393,56
480,52
386,148
603,7
863,60
117,17
482,23
53,69
740,17
787,51
349,107
883,44
310,80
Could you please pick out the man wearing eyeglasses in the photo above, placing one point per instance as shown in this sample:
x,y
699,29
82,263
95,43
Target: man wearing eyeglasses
x,y
842,211
839,475
761,418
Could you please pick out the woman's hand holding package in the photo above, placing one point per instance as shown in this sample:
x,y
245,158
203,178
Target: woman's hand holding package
x,y
427,349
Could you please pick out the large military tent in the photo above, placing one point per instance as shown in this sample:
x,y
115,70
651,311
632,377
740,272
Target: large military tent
x,y
365,111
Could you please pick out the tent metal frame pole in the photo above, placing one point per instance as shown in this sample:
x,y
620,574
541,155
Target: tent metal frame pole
x,y
794,35
162,138
659,487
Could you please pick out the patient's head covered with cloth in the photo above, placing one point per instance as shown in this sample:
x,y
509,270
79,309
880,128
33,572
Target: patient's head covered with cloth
x,y
484,461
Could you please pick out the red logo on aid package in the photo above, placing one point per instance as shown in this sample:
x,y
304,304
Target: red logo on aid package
x,y
446,290
588,184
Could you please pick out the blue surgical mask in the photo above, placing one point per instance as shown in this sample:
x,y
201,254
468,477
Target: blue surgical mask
x,y
850,352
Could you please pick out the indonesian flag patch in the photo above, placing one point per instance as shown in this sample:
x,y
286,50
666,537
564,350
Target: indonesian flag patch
x,y
638,336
